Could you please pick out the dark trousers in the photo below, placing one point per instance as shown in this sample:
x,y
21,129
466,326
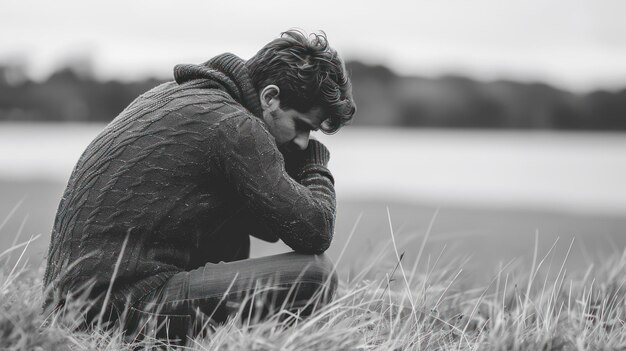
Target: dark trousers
x,y
189,302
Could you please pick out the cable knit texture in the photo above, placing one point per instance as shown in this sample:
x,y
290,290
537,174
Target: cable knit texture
x,y
158,185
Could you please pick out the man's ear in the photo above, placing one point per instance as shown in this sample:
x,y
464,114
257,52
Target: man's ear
x,y
270,97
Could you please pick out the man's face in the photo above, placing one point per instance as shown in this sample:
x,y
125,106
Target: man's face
x,y
290,128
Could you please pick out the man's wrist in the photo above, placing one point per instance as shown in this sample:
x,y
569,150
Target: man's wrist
x,y
316,153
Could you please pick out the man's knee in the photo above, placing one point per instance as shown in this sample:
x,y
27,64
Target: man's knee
x,y
326,267
320,270
329,275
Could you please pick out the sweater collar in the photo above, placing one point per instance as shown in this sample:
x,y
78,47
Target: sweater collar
x,y
230,73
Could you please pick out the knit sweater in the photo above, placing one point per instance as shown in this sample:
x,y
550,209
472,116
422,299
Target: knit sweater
x,y
155,186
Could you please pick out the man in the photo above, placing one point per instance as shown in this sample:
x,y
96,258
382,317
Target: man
x,y
173,187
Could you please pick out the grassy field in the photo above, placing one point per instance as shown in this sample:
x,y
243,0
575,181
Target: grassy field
x,y
384,305
412,277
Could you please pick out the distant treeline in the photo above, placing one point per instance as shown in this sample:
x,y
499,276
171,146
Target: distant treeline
x,y
383,99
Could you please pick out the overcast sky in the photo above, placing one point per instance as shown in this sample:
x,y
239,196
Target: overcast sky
x,y
578,45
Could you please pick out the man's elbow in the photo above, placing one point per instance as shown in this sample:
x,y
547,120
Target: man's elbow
x,y
315,237
312,250
314,245
324,235
323,244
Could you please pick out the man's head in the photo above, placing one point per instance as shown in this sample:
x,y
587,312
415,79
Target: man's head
x,y
303,86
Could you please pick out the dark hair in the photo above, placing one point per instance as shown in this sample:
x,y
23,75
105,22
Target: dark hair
x,y
309,73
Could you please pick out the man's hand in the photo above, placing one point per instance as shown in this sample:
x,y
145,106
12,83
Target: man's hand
x,y
296,160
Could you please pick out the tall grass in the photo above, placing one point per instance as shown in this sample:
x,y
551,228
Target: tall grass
x,y
427,306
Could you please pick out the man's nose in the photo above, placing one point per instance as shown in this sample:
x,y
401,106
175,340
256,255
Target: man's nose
x,y
302,140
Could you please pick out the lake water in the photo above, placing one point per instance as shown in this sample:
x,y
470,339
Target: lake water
x,y
570,171
493,189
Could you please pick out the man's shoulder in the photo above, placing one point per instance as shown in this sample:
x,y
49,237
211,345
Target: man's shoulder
x,y
195,91
171,104
205,100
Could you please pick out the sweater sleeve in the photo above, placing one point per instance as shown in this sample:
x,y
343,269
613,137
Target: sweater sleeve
x,y
302,212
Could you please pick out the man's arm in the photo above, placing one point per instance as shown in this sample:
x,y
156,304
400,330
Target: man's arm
x,y
300,211
248,223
